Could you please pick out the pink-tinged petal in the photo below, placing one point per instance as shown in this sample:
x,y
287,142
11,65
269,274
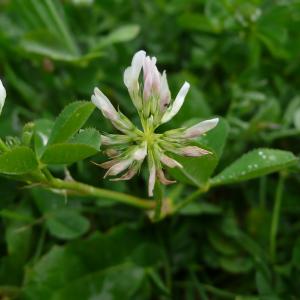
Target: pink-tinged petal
x,y
177,104
151,181
128,175
2,96
164,93
193,151
102,102
163,179
156,80
106,165
200,128
169,162
111,152
147,86
118,167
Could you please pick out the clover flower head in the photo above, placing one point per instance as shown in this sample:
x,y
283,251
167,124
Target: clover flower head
x,y
151,96
2,96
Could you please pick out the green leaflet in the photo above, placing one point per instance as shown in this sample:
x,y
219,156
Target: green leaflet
x,y
71,119
19,160
253,164
84,144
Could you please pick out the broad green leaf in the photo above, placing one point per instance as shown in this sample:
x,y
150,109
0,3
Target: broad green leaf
x,y
71,119
19,160
67,224
253,164
84,144
84,259
120,282
197,170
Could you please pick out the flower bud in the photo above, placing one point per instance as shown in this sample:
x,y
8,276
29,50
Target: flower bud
x,y
200,128
2,96
193,151
102,102
128,175
169,162
118,167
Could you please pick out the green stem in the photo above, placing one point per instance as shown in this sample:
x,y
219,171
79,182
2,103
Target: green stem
x,y
191,198
158,195
275,217
262,192
88,190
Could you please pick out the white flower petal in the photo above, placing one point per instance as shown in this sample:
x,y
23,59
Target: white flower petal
x,y
178,102
137,62
2,96
102,102
169,162
200,128
127,77
140,153
151,182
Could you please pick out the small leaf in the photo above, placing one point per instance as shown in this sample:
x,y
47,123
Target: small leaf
x,y
84,144
71,119
42,131
67,224
60,154
19,160
253,164
122,34
89,136
236,264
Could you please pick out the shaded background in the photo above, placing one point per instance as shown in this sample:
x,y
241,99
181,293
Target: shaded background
x,y
242,60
